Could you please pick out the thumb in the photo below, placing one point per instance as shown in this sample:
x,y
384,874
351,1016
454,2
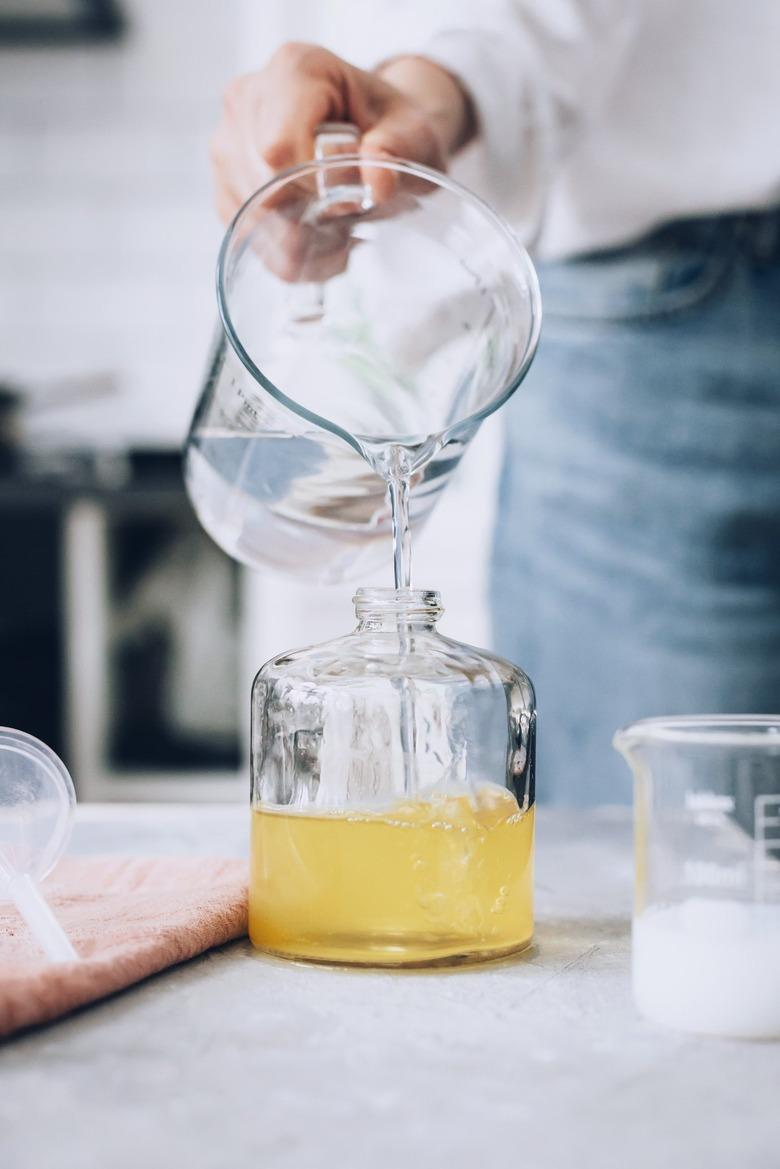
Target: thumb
x,y
402,132
389,138
381,181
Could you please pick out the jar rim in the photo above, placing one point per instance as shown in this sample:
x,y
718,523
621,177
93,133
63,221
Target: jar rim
x,y
389,600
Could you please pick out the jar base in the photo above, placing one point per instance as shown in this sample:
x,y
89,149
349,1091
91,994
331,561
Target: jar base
x,y
404,955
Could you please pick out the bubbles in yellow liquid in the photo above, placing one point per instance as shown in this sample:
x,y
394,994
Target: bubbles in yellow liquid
x,y
444,880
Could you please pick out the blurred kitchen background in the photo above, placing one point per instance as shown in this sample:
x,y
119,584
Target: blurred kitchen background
x,y
128,641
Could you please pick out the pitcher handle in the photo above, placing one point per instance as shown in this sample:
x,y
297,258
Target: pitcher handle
x,y
337,194
333,185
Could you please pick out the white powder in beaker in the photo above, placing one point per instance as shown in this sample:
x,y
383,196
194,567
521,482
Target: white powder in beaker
x,y
711,966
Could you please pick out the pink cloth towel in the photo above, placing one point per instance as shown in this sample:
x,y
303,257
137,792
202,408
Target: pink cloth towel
x,y
127,917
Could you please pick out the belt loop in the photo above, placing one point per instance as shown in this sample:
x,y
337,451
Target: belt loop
x,y
765,236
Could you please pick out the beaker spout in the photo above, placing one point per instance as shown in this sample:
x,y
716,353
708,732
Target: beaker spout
x,y
629,741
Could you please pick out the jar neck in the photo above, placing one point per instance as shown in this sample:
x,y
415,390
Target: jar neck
x,y
387,610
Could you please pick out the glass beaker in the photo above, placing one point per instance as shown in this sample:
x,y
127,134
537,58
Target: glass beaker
x,y
706,931
362,339
392,795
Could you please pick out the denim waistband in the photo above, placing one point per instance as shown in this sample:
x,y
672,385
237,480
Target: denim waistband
x,y
674,268
755,233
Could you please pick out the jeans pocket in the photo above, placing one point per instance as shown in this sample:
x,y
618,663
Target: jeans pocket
x,y
672,270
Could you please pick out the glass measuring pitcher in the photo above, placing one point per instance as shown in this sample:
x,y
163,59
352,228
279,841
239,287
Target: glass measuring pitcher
x,y
706,935
373,313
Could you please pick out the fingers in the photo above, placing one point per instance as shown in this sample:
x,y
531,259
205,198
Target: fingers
x,y
269,120
281,106
268,124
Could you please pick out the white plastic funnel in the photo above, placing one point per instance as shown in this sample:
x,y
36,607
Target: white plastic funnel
x,y
37,801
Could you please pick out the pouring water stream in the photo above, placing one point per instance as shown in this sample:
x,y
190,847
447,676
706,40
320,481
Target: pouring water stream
x,y
397,463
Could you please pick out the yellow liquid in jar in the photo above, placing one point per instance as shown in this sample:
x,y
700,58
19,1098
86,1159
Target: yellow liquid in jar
x,y
445,880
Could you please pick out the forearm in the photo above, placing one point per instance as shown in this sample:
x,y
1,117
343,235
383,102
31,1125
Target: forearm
x,y
534,72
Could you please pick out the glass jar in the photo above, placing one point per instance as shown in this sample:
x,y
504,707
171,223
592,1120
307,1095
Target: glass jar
x,y
392,795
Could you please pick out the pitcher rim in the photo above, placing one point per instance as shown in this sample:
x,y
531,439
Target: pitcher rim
x,y
441,180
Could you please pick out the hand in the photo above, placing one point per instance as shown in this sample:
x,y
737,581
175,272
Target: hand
x,y
411,108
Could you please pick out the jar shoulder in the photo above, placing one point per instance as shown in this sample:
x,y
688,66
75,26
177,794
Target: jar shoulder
x,y
375,654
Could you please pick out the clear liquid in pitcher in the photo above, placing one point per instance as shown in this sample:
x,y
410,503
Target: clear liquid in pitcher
x,y
307,503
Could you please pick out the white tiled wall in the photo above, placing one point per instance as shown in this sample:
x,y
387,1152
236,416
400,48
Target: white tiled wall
x,y
108,242
107,236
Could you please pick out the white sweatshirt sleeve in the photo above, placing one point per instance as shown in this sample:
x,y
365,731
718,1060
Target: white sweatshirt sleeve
x,y
536,70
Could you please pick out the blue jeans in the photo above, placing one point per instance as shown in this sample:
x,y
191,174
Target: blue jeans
x,y
636,566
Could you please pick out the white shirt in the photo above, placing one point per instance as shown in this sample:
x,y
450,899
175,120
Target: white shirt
x,y
601,119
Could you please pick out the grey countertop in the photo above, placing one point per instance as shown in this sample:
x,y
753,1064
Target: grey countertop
x,y
239,1060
